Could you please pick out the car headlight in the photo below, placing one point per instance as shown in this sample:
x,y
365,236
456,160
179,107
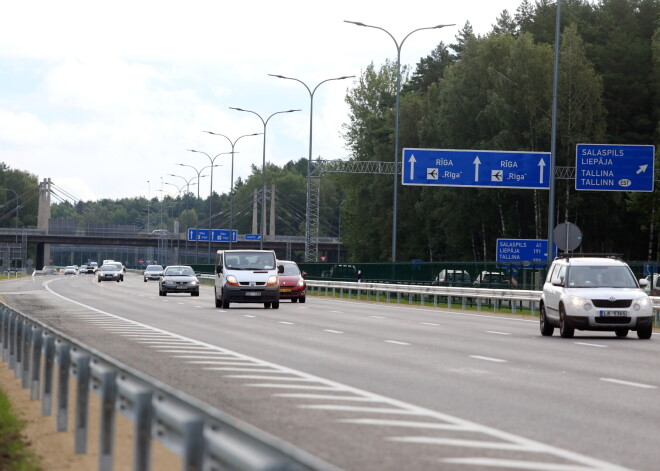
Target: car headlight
x,y
301,282
577,302
193,283
642,303
272,281
232,281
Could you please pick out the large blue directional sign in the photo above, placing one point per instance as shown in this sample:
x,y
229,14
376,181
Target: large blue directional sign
x,y
476,168
521,250
217,235
614,167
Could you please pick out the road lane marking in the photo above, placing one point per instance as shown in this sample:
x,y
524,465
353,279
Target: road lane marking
x,y
407,424
495,360
462,443
333,331
629,383
377,317
286,323
590,344
497,333
396,342
429,323
374,410
248,315
513,464
337,312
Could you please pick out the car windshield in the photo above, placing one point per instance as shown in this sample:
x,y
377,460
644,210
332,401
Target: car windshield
x,y
290,269
108,268
250,261
180,271
154,268
601,277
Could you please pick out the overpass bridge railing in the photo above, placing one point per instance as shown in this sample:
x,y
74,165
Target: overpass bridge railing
x,y
205,438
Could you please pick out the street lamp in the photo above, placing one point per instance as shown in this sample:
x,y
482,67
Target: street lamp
x,y
263,170
187,181
212,160
396,120
231,189
15,196
188,191
308,234
198,172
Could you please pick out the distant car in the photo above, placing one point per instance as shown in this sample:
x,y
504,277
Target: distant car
x,y
121,268
178,279
108,272
70,270
493,279
292,282
652,288
153,272
92,267
82,269
594,293
160,232
453,278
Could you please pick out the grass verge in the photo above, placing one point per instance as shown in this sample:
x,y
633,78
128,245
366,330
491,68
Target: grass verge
x,y
15,454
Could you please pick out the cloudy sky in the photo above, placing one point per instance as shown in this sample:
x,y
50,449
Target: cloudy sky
x,y
105,98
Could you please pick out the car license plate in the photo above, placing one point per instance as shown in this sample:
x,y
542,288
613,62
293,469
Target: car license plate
x,y
285,290
181,287
613,313
253,293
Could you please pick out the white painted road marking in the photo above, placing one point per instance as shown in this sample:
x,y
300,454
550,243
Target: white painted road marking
x,y
590,344
629,383
396,342
496,360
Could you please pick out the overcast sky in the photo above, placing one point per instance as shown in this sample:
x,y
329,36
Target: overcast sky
x,y
104,97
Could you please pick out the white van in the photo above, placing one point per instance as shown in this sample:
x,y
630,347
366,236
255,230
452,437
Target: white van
x,y
247,276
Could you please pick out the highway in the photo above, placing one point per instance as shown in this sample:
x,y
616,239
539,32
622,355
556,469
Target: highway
x,y
369,386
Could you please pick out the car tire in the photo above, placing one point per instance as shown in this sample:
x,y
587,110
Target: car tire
x,y
565,330
160,292
621,333
276,305
145,280
98,279
196,293
294,300
267,305
547,329
644,333
302,300
218,301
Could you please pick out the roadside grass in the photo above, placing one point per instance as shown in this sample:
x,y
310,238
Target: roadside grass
x,y
15,454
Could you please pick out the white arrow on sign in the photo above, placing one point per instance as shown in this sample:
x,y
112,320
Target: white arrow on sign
x,y
476,163
642,169
541,167
412,161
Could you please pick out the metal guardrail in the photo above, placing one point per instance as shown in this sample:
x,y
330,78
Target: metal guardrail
x,y
205,438
513,298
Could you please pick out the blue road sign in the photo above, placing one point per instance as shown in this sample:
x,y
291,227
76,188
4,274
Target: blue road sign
x,y
521,250
252,236
614,167
223,235
198,234
476,168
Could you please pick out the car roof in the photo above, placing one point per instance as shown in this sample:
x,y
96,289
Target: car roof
x,y
592,261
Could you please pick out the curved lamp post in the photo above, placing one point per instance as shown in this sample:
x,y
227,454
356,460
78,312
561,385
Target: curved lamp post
x,y
263,169
188,183
212,159
311,92
231,189
396,121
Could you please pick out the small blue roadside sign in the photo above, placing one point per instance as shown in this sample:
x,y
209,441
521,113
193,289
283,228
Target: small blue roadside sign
x,y
223,235
252,236
476,168
521,250
614,167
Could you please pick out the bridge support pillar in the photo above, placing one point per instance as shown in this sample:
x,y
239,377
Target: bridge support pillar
x,y
43,219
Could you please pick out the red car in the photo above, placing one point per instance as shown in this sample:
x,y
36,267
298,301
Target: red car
x,y
292,282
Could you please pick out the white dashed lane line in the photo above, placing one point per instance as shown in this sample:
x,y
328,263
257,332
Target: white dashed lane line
x,y
628,383
396,342
590,344
286,323
497,333
333,331
429,323
494,360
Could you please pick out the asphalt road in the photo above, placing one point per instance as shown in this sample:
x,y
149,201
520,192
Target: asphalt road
x,y
379,387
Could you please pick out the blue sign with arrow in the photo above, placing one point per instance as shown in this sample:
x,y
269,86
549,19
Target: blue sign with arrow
x,y
614,167
476,168
217,235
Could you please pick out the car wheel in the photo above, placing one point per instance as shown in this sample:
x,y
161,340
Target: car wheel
x,y
145,280
621,333
267,305
302,300
565,330
160,292
294,300
276,305
546,328
645,333
98,279
196,293
218,301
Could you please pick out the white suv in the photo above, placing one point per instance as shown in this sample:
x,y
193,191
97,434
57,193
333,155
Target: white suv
x,y
594,293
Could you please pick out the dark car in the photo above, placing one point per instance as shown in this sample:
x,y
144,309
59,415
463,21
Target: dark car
x,y
292,282
178,279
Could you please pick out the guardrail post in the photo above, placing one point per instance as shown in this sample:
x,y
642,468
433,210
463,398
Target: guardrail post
x,y
134,400
496,305
103,381
18,346
532,307
4,333
478,304
513,307
80,370
49,360
464,302
25,354
179,429
35,363
448,302
64,359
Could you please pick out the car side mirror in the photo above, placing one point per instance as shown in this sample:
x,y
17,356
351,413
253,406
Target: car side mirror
x,y
304,274
557,282
218,269
280,269
643,283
